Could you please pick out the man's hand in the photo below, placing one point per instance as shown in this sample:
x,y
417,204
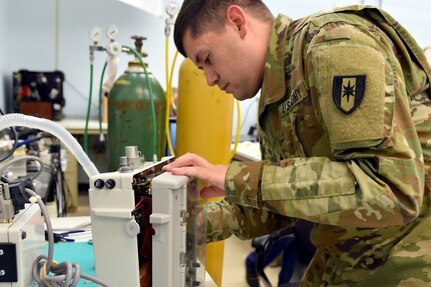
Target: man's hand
x,y
194,165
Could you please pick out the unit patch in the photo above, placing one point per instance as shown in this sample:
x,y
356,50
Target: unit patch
x,y
348,92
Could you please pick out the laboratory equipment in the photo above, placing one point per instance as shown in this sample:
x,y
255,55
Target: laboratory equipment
x,y
21,241
21,234
120,229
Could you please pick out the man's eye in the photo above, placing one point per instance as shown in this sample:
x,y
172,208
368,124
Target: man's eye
x,y
207,60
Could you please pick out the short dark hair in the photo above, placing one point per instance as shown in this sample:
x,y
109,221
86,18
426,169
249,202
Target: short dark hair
x,y
200,15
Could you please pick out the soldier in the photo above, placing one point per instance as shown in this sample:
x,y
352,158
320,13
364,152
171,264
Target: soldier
x,y
345,131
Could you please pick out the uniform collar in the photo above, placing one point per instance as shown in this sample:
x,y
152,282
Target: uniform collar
x,y
273,88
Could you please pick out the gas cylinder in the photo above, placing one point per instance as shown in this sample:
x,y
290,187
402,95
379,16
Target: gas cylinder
x,y
130,121
204,127
204,116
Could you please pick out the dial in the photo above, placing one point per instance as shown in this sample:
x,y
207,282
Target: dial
x,y
95,34
172,9
112,32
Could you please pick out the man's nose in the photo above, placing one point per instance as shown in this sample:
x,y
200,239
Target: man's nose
x,y
212,77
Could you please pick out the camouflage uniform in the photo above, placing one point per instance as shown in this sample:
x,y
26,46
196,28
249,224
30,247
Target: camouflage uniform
x,y
346,134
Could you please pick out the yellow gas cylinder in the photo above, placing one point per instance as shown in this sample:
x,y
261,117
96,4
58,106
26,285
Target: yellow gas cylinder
x,y
204,127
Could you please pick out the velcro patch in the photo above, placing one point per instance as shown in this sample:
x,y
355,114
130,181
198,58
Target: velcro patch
x,y
348,92
356,122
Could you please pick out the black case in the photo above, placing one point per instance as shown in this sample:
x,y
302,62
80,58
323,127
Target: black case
x,y
39,93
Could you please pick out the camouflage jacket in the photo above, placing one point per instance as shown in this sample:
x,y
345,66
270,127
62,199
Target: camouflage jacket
x,y
346,137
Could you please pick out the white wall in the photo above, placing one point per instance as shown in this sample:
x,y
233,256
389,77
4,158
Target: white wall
x,y
28,36
3,51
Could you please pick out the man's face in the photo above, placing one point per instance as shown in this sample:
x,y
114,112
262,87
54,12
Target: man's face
x,y
228,60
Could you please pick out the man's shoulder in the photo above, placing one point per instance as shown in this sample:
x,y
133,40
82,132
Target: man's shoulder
x,y
350,14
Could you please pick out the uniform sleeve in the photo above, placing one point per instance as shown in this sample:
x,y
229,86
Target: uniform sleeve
x,y
225,219
376,175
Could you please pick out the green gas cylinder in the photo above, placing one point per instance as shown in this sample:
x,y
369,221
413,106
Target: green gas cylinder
x,y
130,121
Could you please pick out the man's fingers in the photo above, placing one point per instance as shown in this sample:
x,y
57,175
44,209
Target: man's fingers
x,y
196,166
189,171
188,159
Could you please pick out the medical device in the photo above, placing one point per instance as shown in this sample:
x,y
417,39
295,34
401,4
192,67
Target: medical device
x,y
22,240
120,229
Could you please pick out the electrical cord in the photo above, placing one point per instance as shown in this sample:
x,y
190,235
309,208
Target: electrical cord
x,y
66,274
21,158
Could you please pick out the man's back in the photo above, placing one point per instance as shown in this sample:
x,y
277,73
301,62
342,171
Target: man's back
x,y
380,225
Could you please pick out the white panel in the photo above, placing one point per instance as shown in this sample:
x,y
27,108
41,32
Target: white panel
x,y
151,6
3,51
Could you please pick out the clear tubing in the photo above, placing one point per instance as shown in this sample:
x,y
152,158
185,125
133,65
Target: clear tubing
x,y
11,120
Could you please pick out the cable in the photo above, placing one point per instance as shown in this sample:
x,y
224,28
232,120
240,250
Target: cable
x,y
27,157
31,140
66,273
87,119
88,110
15,142
150,90
59,186
171,76
100,101
238,131
169,97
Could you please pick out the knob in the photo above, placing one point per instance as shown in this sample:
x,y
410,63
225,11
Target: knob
x,y
99,183
110,184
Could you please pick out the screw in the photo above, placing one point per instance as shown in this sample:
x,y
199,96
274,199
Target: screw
x,y
1,252
2,273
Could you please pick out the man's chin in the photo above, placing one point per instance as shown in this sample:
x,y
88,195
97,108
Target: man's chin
x,y
241,96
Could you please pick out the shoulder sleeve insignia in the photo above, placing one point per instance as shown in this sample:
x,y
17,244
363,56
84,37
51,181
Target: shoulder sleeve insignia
x,y
348,92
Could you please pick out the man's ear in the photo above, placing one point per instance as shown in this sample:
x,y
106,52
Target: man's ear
x,y
237,17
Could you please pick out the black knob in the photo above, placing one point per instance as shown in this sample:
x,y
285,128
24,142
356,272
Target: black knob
x,y
110,184
99,183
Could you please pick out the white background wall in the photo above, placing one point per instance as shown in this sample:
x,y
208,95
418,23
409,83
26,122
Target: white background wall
x,y
39,35
3,51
